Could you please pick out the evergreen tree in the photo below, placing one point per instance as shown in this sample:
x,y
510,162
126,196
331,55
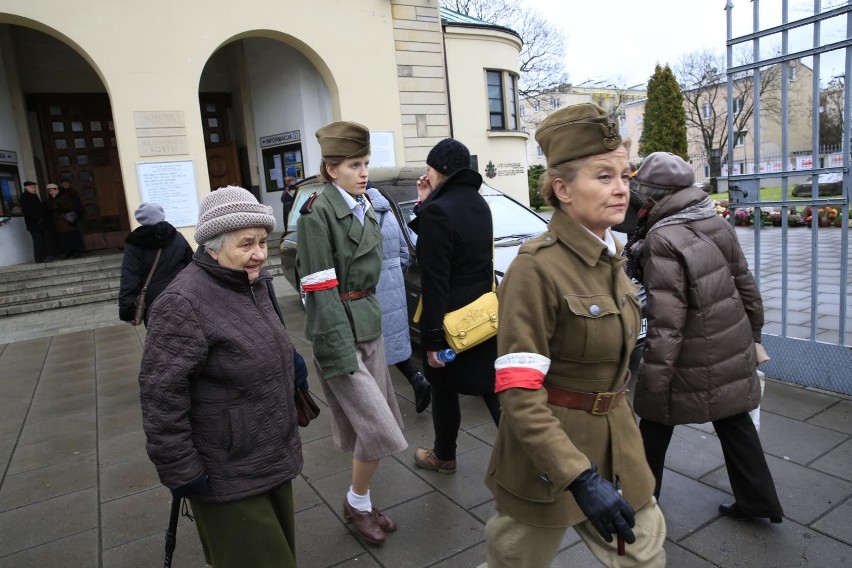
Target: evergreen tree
x,y
536,199
665,118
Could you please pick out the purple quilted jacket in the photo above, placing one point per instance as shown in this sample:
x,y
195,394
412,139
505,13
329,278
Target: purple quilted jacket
x,y
216,384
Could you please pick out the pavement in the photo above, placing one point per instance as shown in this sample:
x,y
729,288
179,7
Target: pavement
x,y
78,490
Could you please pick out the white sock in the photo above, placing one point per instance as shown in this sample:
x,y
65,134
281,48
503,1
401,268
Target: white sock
x,y
360,502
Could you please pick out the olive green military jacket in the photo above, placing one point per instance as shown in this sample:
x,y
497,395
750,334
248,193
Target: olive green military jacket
x,y
336,254
569,317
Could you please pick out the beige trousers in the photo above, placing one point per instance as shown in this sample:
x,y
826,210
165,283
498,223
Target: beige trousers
x,y
513,544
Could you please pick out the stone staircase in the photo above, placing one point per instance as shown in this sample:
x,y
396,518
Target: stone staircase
x,y
93,278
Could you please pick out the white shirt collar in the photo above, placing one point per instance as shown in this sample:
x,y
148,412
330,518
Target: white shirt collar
x,y
608,240
350,201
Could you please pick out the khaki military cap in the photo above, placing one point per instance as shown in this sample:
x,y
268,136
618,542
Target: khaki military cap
x,y
576,131
344,140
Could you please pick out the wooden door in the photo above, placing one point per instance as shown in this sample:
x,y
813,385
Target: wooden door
x,y
223,166
78,138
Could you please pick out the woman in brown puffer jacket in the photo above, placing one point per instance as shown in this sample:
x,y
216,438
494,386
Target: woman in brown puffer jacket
x,y
705,316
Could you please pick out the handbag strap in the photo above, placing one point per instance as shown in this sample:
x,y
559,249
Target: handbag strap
x,y
151,272
275,306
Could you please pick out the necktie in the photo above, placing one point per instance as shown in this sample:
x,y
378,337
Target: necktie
x,y
362,207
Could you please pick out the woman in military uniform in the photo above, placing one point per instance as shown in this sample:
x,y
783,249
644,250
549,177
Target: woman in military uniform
x,y
568,443
339,256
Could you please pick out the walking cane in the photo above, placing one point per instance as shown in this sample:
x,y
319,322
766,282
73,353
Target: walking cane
x,y
171,532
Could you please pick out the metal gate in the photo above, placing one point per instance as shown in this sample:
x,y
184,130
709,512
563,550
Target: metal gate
x,y
802,271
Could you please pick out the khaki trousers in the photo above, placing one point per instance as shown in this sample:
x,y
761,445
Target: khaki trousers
x,y
513,544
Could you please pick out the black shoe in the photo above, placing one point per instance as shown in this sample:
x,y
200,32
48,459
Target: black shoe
x,y
422,392
731,510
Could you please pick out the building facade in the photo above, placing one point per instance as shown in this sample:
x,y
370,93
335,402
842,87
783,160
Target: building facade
x,y
164,101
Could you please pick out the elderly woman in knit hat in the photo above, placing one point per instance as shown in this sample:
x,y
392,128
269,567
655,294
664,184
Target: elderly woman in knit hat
x,y
217,388
705,316
154,239
339,259
454,250
568,451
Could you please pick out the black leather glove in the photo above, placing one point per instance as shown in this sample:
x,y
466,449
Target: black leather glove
x,y
301,370
194,488
608,511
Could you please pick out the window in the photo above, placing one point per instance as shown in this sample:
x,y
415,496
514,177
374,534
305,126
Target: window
x,y
502,100
536,104
739,139
738,105
523,110
707,111
555,103
538,151
791,71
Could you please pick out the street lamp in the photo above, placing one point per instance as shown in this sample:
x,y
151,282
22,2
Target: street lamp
x,y
715,168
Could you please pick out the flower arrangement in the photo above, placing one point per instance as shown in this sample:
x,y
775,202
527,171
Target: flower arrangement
x,y
744,217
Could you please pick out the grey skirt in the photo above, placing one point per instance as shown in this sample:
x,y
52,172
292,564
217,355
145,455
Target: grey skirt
x,y
365,417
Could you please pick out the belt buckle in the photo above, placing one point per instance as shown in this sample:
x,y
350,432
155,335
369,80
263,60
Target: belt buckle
x,y
603,398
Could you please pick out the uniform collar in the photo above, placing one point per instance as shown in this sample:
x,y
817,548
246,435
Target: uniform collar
x,y
587,246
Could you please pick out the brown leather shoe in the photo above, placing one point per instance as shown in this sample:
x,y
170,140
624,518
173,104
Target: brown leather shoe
x,y
365,523
427,459
385,523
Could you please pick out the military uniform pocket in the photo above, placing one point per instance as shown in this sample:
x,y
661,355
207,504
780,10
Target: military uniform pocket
x,y
598,328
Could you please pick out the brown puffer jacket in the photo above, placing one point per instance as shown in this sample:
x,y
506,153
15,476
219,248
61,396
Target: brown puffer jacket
x,y
704,316
216,384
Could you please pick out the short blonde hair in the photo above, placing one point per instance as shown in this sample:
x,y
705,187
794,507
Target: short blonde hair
x,y
567,172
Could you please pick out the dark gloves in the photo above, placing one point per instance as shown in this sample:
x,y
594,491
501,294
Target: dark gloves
x,y
194,488
301,370
608,511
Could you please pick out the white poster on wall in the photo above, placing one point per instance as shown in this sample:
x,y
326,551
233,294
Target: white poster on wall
x,y
382,154
172,185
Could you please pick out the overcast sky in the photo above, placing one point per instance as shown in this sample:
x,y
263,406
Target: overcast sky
x,y
621,41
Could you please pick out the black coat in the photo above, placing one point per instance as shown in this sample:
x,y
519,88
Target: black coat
x,y
140,249
454,249
34,212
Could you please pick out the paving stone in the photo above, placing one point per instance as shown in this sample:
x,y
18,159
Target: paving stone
x,y
805,494
678,557
759,544
55,450
429,519
150,550
837,417
47,521
119,448
470,558
337,543
77,550
793,401
49,429
128,477
693,452
837,461
837,522
128,518
703,500
798,441
47,482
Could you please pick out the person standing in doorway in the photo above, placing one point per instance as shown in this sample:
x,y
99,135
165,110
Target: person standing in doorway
x,y
64,219
35,218
339,256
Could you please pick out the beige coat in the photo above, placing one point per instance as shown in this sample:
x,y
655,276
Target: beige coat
x,y
565,298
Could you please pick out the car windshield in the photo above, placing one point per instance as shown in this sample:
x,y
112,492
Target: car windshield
x,y
301,197
511,219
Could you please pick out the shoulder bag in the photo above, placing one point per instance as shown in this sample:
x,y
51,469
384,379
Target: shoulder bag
x,y
141,308
472,324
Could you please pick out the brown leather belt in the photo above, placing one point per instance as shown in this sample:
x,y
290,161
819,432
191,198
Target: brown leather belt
x,y
347,296
597,403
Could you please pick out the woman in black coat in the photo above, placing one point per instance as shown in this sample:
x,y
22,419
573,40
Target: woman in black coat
x,y
140,250
454,250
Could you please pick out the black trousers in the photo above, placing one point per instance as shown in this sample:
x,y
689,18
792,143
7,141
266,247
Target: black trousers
x,y
751,480
39,244
446,419
408,368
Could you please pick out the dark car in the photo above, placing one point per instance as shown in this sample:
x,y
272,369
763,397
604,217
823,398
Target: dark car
x,y
514,224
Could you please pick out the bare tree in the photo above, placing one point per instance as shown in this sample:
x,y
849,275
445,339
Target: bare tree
x,y
703,79
831,112
543,53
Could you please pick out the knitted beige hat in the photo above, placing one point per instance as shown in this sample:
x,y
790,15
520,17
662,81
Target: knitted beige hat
x,y
230,209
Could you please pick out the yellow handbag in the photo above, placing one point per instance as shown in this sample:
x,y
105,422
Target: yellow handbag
x,y
472,324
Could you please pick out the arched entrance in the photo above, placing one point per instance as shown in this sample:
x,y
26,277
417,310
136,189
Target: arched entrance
x,y
260,98
70,129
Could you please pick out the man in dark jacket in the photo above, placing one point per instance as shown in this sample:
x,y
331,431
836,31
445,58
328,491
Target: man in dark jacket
x,y
140,250
35,219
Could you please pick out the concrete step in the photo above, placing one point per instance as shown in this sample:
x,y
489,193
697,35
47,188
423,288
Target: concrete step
x,y
68,279
86,265
110,296
57,292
